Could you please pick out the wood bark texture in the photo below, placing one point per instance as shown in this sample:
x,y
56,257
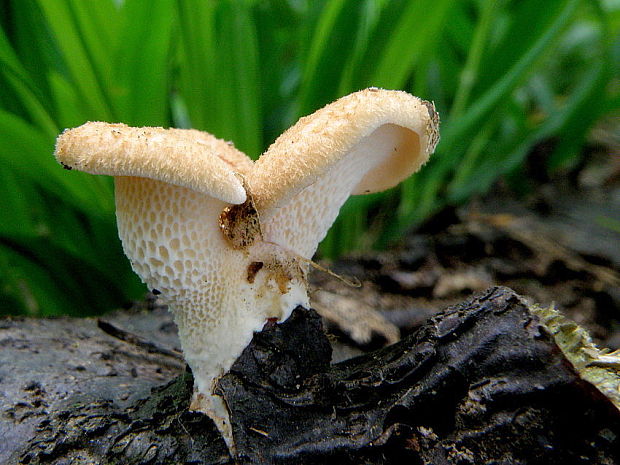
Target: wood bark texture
x,y
481,383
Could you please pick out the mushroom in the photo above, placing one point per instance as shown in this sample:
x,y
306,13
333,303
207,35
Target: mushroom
x,y
227,241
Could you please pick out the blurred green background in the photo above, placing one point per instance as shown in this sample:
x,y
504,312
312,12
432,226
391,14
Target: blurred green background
x,y
504,75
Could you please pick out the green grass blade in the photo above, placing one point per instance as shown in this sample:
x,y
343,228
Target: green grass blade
x,y
220,80
34,108
196,48
413,37
418,203
69,108
21,85
29,287
141,65
96,25
17,206
349,79
509,78
472,65
51,282
243,55
78,59
329,40
29,153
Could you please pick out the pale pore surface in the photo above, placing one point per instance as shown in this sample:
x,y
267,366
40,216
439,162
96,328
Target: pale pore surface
x,y
172,238
304,221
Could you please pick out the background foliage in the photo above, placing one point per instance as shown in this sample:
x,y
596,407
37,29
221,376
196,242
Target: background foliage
x,y
505,76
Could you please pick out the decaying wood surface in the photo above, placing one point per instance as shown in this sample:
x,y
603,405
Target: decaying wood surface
x,y
482,382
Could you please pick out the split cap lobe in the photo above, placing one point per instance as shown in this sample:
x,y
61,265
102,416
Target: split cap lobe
x,y
365,142
182,157
392,132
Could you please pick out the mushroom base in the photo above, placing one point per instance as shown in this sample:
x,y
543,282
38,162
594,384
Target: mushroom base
x,y
211,349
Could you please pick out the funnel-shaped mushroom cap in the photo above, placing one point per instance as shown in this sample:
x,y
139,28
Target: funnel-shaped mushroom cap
x,y
226,268
182,157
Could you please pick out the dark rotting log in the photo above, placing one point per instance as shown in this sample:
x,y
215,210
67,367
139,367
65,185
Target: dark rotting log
x,y
481,383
